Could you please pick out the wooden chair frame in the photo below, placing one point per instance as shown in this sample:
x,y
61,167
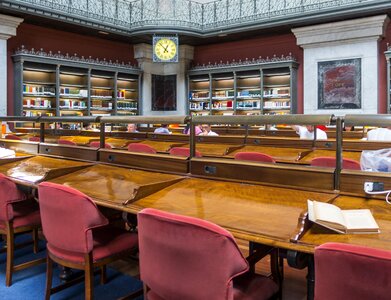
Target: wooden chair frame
x,y
9,231
88,267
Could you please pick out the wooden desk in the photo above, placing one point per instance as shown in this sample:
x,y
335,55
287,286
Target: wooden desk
x,y
279,154
31,171
317,235
251,212
80,140
117,143
320,152
115,186
162,146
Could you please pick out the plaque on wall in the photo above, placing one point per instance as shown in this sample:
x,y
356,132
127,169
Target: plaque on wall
x,y
163,92
339,84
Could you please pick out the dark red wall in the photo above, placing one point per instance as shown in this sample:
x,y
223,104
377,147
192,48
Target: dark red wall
x,y
281,44
383,72
32,36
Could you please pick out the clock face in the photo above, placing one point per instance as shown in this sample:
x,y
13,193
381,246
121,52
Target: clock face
x,y
165,49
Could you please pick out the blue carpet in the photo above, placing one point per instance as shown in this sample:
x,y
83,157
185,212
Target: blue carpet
x,y
30,283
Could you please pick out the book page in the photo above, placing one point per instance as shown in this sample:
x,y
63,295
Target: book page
x,y
328,212
359,219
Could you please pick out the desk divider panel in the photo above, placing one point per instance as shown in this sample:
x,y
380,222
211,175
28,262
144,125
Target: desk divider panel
x,y
20,146
156,162
352,182
76,152
293,176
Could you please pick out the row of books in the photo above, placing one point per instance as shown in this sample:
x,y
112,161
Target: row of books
x,y
39,90
127,105
198,95
104,94
30,113
277,104
277,92
73,92
101,105
72,104
37,103
199,105
223,94
248,104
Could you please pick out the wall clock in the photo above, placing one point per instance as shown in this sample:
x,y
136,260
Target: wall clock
x,y
165,49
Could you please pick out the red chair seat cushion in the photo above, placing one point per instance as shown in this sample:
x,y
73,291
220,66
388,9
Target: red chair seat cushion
x,y
253,287
108,241
25,213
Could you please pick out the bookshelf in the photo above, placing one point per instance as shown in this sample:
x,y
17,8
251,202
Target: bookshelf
x,y
199,95
49,84
39,90
263,86
73,93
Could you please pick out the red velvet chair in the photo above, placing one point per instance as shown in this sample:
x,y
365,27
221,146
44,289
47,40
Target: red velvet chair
x,y
12,137
78,235
330,162
344,271
254,156
66,142
18,214
34,139
96,144
143,148
183,151
188,258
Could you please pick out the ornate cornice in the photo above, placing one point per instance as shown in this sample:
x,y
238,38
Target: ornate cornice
x,y
75,58
246,62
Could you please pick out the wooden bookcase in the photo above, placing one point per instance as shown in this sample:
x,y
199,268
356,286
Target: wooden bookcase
x,y
58,85
249,88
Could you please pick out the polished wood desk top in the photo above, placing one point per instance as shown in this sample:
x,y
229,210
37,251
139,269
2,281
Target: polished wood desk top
x,y
253,212
381,211
162,146
320,152
117,185
117,143
79,139
280,154
36,169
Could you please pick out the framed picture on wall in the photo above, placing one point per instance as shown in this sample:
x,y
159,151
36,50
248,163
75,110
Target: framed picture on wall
x,y
163,92
339,84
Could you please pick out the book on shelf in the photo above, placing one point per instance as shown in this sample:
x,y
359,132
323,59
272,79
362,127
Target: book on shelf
x,y
249,94
69,92
37,103
198,95
223,94
342,221
39,90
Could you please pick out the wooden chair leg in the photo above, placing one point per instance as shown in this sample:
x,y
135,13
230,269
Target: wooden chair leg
x,y
10,254
49,277
35,240
89,277
103,277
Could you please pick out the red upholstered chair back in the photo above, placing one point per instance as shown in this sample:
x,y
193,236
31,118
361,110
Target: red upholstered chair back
x,y
34,139
187,258
66,142
143,148
96,144
183,151
254,156
346,271
330,162
67,217
12,137
9,193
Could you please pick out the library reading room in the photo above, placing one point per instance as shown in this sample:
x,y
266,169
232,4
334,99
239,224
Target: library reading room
x,y
195,149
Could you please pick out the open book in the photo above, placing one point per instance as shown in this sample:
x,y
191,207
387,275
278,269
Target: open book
x,y
342,221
